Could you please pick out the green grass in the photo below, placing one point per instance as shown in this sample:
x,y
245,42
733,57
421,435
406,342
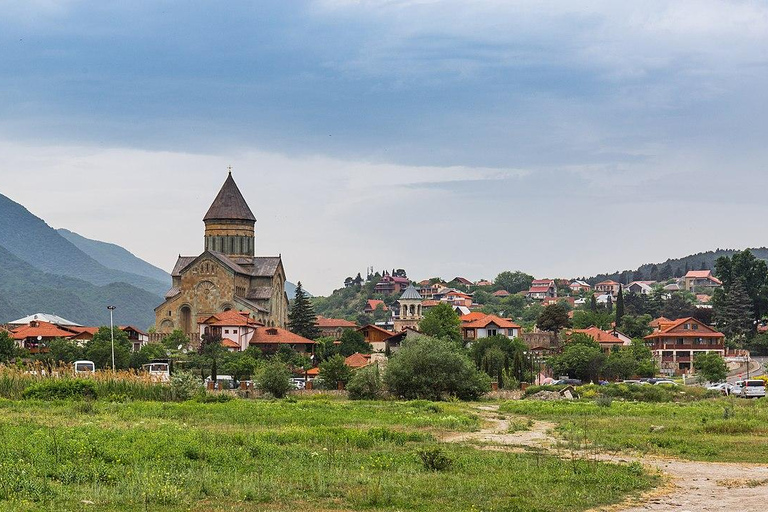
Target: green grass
x,y
278,455
727,430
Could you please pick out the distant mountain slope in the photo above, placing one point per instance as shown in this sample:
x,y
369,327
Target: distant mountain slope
x,y
115,257
25,290
290,290
677,266
31,240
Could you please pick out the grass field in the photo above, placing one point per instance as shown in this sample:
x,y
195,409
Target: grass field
x,y
725,430
306,454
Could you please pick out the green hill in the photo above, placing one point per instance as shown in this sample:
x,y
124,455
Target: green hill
x,y
25,290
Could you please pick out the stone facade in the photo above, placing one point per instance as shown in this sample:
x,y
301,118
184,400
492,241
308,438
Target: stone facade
x,y
226,276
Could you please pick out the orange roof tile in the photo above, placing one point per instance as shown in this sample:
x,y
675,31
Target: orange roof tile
x,y
374,303
230,343
42,329
666,330
474,315
488,319
276,335
231,318
358,360
598,335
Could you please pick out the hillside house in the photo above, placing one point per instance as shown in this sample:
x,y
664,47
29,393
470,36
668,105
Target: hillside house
x,y
501,294
36,335
270,339
454,297
372,305
393,342
235,328
541,289
489,325
611,287
700,280
333,327
428,291
607,340
577,287
675,344
640,287
137,337
391,284
375,336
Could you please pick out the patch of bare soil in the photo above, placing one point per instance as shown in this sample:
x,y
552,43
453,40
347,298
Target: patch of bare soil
x,y
691,486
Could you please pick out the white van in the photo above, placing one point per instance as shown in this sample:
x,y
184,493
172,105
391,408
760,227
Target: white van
x,y
753,388
84,367
158,371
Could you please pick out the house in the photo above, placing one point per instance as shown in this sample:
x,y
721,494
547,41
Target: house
x,y
571,301
607,340
483,282
454,297
375,336
461,310
501,294
489,325
658,322
270,339
43,317
676,344
462,280
578,287
428,290
390,284
673,287
333,327
541,289
36,335
611,287
83,334
700,280
137,337
541,343
235,328
640,287
372,304
358,360
393,342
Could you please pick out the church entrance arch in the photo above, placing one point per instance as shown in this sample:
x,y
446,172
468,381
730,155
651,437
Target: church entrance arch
x,y
185,315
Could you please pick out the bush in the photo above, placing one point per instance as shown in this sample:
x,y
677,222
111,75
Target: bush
x,y
433,369
76,389
184,386
366,384
434,459
335,370
275,379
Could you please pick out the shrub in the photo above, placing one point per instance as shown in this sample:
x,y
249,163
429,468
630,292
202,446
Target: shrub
x,y
184,386
75,389
275,379
366,384
603,401
433,369
335,370
434,459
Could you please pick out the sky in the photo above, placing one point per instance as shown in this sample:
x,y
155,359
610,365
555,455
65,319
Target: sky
x,y
445,137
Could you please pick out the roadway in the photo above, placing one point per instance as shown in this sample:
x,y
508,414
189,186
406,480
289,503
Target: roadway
x,y
756,368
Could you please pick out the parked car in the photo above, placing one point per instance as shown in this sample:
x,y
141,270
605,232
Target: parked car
x,y
567,382
634,381
298,383
723,387
665,383
753,389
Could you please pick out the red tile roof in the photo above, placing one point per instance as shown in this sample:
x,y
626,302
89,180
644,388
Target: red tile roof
x,y
609,282
539,289
375,327
598,335
501,293
374,303
231,318
702,274
667,330
334,322
429,303
276,335
489,319
474,315
42,329
230,343
358,360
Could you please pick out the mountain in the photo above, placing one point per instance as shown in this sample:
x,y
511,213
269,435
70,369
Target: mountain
x,y
25,290
675,267
115,257
31,240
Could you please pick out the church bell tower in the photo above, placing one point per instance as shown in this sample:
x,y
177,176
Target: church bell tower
x,y
229,223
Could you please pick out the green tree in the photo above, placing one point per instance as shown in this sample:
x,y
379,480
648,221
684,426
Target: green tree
x,y
175,340
335,370
353,341
498,356
678,306
442,322
432,368
8,347
65,351
580,361
553,319
619,305
212,350
734,314
620,365
99,349
711,367
325,347
513,282
586,319
240,365
753,274
147,353
366,383
636,326
275,378
302,319
593,303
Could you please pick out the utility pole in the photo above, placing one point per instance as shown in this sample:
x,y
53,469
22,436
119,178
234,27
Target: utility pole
x,y
112,333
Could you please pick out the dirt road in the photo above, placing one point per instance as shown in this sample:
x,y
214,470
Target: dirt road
x,y
692,486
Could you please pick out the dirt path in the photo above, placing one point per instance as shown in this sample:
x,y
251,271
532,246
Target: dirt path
x,y
693,486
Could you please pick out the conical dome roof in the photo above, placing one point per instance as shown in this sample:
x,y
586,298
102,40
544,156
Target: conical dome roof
x,y
229,204
411,293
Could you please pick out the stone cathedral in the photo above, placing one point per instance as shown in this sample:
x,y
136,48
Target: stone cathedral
x,y
226,275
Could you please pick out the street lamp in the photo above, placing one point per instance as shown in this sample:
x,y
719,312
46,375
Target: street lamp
x,y
112,333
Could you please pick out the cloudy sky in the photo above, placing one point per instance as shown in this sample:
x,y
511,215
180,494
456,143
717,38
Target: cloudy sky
x,y
446,137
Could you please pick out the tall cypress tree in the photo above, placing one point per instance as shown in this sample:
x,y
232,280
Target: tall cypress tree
x,y
593,303
302,319
734,315
619,305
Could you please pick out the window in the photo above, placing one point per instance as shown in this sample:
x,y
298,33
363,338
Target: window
x,y
491,332
226,331
234,331
695,327
687,326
